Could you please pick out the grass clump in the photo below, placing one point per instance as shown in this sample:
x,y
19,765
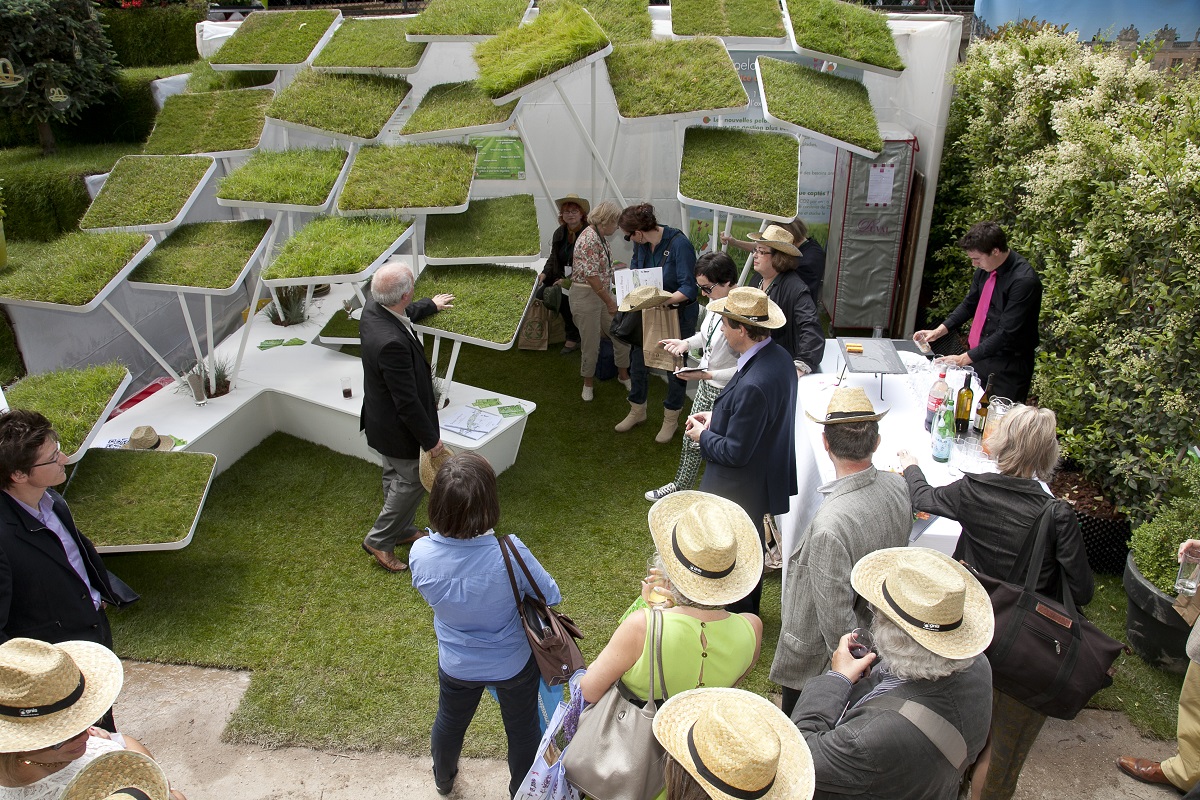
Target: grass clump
x,y
128,497
455,105
341,325
752,171
468,17
353,105
206,79
294,177
333,246
500,226
409,176
211,122
839,108
72,399
371,43
207,255
556,39
145,190
275,37
71,270
727,18
489,300
844,29
623,20
654,78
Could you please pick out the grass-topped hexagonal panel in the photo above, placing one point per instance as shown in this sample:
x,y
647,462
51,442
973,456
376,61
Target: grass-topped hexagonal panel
x,y
467,18
76,401
72,270
741,170
409,176
741,18
653,79
204,255
488,229
489,301
449,106
146,191
303,177
275,37
837,110
358,106
331,247
210,122
844,31
370,44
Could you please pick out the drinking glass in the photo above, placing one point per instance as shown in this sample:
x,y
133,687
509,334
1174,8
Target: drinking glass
x,y
1189,574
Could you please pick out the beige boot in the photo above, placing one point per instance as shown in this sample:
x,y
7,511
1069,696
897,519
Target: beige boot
x,y
669,426
636,416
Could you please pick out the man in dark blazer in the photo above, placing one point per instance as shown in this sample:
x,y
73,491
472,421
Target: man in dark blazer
x,y
749,437
398,412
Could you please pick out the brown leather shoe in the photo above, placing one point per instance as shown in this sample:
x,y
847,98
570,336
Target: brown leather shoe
x,y
386,560
1143,769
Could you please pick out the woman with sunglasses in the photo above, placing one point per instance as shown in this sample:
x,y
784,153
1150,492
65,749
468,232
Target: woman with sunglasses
x,y
716,274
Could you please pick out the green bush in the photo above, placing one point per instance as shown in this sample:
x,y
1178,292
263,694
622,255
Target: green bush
x,y
154,36
1155,544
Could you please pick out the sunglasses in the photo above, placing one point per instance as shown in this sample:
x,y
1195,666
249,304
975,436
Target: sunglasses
x,y
707,288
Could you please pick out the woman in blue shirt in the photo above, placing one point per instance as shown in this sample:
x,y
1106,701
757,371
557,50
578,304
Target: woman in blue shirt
x,y
460,573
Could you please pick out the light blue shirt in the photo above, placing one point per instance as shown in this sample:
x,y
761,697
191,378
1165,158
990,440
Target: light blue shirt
x,y
749,354
44,514
480,637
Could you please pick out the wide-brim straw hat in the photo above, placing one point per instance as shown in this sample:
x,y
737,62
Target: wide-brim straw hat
x,y
644,297
848,404
144,437
932,597
709,546
749,306
431,464
573,198
52,692
112,776
736,745
777,238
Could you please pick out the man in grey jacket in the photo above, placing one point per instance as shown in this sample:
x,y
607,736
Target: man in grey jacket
x,y
864,510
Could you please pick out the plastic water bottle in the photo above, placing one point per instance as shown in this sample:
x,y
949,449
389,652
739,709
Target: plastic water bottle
x,y
937,396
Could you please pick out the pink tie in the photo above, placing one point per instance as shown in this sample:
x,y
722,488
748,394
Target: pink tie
x,y
985,300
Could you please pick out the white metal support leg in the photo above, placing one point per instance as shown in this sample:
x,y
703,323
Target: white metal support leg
x,y
162,362
212,348
750,261
596,157
237,365
537,170
187,318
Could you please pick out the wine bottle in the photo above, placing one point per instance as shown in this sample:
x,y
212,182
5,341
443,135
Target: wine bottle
x,y
937,396
982,412
962,407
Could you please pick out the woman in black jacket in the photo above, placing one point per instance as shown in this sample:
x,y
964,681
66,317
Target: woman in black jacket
x,y
572,219
775,262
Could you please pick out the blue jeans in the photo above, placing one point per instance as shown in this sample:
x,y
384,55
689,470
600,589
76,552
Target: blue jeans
x,y
457,701
639,376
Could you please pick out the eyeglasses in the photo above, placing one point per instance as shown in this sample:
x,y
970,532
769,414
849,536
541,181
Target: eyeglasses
x,y
707,288
57,452
762,251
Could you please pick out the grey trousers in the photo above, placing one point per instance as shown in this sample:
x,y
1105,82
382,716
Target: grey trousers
x,y
402,493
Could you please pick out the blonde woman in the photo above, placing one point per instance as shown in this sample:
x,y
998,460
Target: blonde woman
x,y
592,300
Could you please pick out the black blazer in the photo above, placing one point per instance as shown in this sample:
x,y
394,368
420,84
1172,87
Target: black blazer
x,y
801,336
41,595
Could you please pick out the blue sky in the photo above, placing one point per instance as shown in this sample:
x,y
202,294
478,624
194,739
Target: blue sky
x,y
1089,16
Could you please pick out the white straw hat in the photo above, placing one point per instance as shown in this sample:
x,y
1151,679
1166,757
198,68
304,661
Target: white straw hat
x,y
430,465
119,775
749,306
848,404
709,546
644,297
777,238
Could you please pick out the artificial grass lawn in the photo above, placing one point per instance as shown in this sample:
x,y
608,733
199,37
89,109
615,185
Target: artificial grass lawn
x,y
455,105
275,37
354,105
302,177
468,17
409,176
752,171
211,122
836,107
72,399
371,43
145,190
206,79
500,226
207,255
555,40
332,246
489,300
124,497
654,78
727,18
71,270
622,20
844,29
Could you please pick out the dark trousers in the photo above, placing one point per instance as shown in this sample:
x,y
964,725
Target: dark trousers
x,y
457,701
788,703
751,602
639,377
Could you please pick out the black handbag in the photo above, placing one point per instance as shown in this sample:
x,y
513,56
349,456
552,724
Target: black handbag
x,y
627,327
551,633
1044,653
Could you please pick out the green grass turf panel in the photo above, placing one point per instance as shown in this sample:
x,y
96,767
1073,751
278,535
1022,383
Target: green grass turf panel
x,y
844,29
295,177
468,17
149,190
456,105
211,122
500,226
126,497
207,255
836,107
354,105
489,299
334,246
752,171
275,37
341,325
762,18
653,78
622,20
70,270
206,79
72,399
371,43
409,176
553,41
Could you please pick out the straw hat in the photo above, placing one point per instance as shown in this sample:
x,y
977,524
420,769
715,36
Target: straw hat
x,y
777,238
431,464
51,692
849,404
736,744
749,306
931,596
573,198
144,437
709,546
644,297
119,775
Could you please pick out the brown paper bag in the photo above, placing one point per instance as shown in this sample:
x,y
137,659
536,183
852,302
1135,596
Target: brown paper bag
x,y
658,324
535,328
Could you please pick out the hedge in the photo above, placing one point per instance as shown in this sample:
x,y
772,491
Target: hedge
x,y
154,36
